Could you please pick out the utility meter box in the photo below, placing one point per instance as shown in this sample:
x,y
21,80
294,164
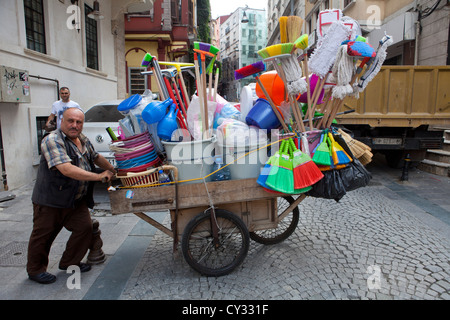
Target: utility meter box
x,y
14,85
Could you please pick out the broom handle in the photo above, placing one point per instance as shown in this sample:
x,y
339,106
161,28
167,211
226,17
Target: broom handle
x,y
186,95
333,114
274,108
282,75
183,109
210,96
327,113
337,105
205,98
316,98
310,115
216,83
200,94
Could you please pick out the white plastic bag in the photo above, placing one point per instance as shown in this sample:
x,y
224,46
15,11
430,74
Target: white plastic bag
x,y
194,117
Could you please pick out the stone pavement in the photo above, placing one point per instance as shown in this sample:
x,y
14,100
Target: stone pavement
x,y
390,240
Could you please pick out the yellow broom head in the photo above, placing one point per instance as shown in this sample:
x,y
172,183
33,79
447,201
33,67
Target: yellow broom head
x,y
283,30
294,28
276,50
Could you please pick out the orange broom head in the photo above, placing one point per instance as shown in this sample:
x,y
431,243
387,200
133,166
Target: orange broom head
x,y
281,177
339,155
306,172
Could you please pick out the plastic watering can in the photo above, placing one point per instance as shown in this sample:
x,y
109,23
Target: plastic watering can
x,y
168,124
155,111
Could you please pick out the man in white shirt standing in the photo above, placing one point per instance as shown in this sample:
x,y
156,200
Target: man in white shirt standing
x,y
58,108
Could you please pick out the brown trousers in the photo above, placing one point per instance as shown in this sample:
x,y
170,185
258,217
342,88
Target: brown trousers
x,y
47,223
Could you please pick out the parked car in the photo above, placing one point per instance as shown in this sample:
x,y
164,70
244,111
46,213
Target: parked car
x,y
97,119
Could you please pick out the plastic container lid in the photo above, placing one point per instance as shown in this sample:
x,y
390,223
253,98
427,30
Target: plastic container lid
x,y
129,103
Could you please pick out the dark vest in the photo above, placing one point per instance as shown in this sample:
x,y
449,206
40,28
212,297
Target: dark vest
x,y
53,189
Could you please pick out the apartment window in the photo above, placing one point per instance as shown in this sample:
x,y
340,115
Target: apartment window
x,y
91,40
34,25
175,6
137,82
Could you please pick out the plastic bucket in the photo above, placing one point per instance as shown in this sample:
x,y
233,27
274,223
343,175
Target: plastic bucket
x,y
262,116
244,161
273,85
193,159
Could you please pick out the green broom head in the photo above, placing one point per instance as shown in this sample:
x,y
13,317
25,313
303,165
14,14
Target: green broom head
x,y
210,67
206,48
338,153
147,60
306,172
322,154
281,177
302,42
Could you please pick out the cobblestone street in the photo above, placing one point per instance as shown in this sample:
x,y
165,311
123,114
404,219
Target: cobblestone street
x,y
364,247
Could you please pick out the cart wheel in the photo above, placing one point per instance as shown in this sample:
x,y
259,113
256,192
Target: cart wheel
x,y
285,227
203,255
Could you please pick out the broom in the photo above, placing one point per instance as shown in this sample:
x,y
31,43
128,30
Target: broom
x,y
283,33
302,43
254,69
293,28
356,147
322,153
306,172
265,171
274,53
204,49
338,153
281,177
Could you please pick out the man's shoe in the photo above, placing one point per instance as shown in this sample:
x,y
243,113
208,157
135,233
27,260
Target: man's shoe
x,y
43,278
84,267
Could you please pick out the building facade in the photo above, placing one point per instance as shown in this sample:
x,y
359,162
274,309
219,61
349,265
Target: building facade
x,y
420,28
166,32
45,45
239,43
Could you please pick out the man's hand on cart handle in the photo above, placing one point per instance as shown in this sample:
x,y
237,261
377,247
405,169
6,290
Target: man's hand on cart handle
x,y
106,176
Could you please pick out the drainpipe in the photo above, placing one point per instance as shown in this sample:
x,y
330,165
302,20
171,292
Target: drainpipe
x,y
2,159
48,79
416,49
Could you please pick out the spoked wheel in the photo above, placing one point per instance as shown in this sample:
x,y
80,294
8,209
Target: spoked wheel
x,y
286,226
211,258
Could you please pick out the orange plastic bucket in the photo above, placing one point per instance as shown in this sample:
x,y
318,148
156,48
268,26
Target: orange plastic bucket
x,y
273,85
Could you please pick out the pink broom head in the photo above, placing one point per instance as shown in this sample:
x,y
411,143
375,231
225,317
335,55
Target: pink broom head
x,y
249,70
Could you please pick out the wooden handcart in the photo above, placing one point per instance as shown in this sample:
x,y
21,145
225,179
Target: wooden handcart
x,y
213,220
